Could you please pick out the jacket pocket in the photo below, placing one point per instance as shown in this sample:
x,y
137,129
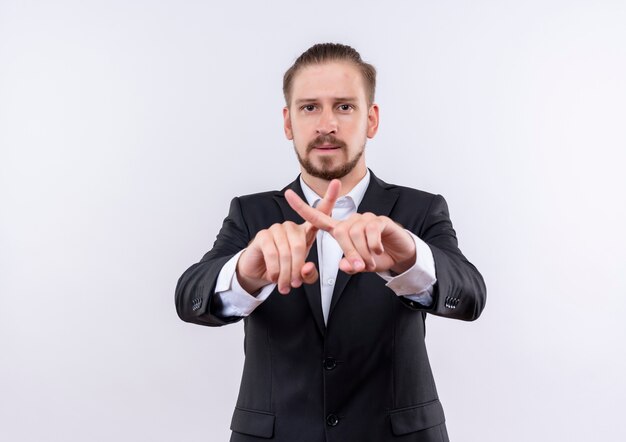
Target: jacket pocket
x,y
253,423
410,419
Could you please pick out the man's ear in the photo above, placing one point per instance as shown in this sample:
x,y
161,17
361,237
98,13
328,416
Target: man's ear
x,y
287,123
372,121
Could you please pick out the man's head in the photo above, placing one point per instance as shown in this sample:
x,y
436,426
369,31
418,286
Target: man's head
x,y
331,52
329,112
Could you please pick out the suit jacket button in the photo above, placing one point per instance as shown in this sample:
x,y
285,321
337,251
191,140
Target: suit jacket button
x,y
330,363
332,420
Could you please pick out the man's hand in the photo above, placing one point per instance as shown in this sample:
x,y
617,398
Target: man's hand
x,y
369,242
277,254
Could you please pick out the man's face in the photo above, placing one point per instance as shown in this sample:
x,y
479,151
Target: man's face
x,y
329,120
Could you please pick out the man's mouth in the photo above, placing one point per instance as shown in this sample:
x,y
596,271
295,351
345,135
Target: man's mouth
x,y
326,144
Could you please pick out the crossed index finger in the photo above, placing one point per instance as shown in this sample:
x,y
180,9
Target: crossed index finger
x,y
315,217
330,197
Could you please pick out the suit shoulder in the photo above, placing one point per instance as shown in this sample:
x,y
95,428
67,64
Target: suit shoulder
x,y
259,196
408,192
261,205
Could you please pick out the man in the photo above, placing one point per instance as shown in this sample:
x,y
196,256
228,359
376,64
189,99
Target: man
x,y
334,291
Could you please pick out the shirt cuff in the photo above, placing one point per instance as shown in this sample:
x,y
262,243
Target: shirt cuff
x,y
235,300
418,281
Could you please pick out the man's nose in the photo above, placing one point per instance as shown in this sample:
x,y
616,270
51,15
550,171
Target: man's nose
x,y
327,122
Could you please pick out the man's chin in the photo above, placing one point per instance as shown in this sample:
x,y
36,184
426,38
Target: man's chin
x,y
328,174
327,168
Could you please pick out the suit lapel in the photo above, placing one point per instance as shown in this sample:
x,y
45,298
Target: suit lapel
x,y
378,200
312,291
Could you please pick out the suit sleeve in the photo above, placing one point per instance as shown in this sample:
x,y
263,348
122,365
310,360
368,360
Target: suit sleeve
x,y
460,291
195,300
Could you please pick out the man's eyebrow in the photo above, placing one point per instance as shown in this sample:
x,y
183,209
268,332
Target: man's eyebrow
x,y
346,99
337,100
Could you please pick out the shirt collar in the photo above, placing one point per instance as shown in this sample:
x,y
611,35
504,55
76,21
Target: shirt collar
x,y
355,196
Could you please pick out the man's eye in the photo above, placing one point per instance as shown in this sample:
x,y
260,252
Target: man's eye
x,y
308,108
345,107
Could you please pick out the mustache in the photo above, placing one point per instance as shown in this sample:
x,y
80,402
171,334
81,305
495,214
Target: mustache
x,y
325,139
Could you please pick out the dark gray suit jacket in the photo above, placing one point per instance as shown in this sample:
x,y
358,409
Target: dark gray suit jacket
x,y
365,375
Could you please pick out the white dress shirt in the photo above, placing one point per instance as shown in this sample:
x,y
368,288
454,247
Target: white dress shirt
x,y
416,283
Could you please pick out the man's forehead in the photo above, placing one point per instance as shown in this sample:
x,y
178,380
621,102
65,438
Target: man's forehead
x,y
328,80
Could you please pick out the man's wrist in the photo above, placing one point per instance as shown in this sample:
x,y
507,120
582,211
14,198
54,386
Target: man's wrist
x,y
405,263
250,285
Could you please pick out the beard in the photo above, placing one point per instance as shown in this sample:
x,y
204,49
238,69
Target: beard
x,y
325,171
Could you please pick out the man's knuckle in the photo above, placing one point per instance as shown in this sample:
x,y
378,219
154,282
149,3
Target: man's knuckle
x,y
371,227
275,228
355,229
284,252
340,229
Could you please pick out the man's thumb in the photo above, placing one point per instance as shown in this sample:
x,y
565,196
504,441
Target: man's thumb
x,y
309,273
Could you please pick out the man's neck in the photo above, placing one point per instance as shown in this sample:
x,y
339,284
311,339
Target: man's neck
x,y
319,185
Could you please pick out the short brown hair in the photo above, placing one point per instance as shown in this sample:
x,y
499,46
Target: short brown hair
x,y
327,52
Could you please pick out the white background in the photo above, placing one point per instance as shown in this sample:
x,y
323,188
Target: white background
x,y
127,126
